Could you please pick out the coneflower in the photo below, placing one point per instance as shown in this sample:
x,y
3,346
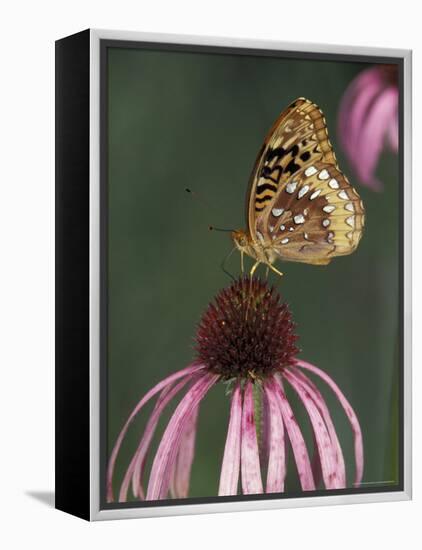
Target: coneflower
x,y
246,339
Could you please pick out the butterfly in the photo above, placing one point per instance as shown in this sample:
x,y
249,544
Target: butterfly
x,y
300,207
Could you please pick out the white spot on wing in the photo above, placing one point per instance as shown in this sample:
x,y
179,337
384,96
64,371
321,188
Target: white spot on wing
x,y
343,195
323,175
271,228
325,223
303,191
310,171
350,221
284,241
277,212
282,227
329,208
315,194
333,183
291,187
299,218
349,206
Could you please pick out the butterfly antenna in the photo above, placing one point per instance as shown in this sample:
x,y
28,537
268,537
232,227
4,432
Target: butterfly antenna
x,y
213,228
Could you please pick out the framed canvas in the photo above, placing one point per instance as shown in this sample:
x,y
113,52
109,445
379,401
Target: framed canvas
x,y
233,274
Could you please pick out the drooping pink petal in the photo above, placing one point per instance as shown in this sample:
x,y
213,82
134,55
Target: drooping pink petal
x,y
179,485
156,389
319,401
300,451
354,108
325,448
250,467
264,442
162,467
276,461
229,477
144,445
373,134
393,133
351,415
136,465
316,463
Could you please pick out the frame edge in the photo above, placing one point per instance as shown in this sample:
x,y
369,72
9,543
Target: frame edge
x,y
96,512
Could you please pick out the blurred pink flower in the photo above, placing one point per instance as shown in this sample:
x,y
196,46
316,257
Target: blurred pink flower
x,y
246,339
368,120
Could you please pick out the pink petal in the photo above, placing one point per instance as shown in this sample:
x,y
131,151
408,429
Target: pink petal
x,y
393,133
165,457
179,487
137,463
277,461
157,388
319,401
300,451
354,107
229,477
316,463
373,133
349,412
325,449
264,443
251,472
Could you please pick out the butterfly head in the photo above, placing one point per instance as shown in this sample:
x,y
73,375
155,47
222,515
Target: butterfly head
x,y
241,240
245,245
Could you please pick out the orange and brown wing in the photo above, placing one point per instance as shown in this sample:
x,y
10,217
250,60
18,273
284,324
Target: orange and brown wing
x,y
316,216
297,140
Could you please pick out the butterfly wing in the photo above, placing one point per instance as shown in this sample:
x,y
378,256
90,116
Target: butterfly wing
x,y
316,216
298,139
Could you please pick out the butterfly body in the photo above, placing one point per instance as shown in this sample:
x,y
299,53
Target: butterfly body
x,y
256,250
300,206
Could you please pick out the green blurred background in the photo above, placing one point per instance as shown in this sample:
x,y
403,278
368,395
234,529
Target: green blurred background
x,y
197,120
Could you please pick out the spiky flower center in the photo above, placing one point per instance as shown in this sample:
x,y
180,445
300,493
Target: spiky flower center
x,y
246,332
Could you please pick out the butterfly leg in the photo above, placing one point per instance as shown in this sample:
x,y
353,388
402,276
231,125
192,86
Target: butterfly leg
x,y
275,270
270,266
242,267
251,274
255,265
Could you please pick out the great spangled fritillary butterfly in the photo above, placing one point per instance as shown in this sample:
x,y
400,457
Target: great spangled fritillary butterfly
x,y
300,207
